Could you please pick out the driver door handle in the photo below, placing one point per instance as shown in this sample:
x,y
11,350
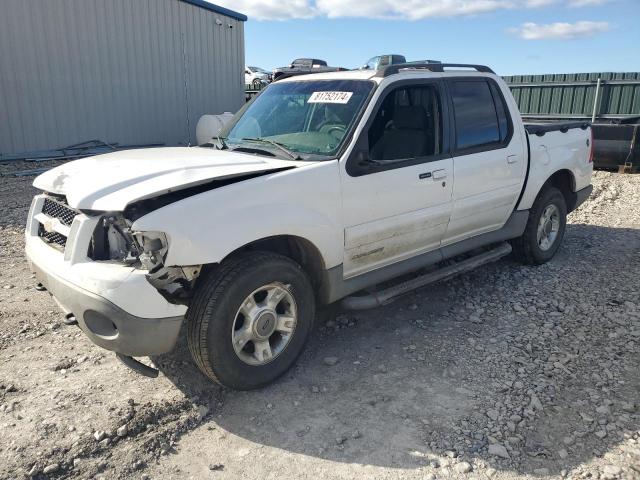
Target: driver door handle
x,y
439,174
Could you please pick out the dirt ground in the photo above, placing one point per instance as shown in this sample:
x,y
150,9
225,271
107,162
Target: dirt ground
x,y
510,372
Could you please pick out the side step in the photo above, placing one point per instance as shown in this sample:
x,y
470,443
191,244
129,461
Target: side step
x,y
387,295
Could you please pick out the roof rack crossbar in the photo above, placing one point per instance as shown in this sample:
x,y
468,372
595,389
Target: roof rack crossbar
x,y
434,67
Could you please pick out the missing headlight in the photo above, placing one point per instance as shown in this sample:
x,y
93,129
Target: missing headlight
x,y
112,240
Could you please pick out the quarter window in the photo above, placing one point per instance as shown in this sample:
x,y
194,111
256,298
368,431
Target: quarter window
x,y
478,121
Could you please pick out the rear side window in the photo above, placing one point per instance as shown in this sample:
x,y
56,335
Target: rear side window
x,y
479,119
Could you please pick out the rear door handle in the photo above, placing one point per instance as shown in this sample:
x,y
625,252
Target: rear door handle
x,y
438,174
512,159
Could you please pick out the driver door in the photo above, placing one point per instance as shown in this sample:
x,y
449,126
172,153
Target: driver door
x,y
397,183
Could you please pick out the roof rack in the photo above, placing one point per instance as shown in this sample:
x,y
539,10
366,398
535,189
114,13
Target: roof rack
x,y
434,67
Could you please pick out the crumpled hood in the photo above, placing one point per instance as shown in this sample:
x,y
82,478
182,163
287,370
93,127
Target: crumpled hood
x,y
113,180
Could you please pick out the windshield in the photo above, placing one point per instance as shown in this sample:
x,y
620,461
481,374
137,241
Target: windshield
x,y
305,117
257,70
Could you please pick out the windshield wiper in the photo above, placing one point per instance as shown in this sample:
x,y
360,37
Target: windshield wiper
x,y
221,145
294,156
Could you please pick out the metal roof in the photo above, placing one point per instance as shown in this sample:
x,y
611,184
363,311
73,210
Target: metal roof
x,y
217,9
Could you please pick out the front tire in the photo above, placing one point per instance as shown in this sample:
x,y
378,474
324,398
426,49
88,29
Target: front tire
x,y
250,319
545,228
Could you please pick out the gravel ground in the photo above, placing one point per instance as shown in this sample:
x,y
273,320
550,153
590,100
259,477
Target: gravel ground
x,y
510,372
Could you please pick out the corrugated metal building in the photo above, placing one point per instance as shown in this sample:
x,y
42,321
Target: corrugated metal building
x,y
125,71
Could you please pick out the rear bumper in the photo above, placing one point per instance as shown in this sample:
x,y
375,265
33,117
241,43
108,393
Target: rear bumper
x,y
583,195
107,325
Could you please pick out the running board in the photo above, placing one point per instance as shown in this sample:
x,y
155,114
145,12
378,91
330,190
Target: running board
x,y
387,295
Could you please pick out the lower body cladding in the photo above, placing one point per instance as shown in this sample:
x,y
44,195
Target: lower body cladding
x,y
95,304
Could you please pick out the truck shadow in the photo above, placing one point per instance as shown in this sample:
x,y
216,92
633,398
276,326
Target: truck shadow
x,y
453,368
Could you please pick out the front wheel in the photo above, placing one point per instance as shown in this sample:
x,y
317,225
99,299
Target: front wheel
x,y
250,319
545,228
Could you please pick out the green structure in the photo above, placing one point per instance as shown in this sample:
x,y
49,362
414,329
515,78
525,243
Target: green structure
x,y
593,96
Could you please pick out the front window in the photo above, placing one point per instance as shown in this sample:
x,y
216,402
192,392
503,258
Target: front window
x,y
408,125
309,118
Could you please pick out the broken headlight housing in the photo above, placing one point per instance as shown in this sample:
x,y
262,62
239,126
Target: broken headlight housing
x,y
154,249
174,283
114,240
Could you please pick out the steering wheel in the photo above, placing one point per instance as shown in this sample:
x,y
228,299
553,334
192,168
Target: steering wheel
x,y
337,128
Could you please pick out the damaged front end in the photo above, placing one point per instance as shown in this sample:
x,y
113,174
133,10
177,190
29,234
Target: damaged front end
x,y
175,284
114,240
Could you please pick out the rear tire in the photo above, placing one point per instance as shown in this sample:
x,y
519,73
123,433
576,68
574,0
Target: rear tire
x,y
545,228
249,319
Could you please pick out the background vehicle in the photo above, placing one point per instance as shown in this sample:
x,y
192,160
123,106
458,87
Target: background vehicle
x,y
322,186
381,61
374,63
302,66
255,76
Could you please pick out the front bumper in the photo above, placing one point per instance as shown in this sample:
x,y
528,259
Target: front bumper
x,y
115,305
108,325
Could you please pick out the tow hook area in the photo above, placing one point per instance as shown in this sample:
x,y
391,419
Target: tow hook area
x,y
70,319
137,366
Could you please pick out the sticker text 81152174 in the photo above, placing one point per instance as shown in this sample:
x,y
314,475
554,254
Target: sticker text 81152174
x,y
330,97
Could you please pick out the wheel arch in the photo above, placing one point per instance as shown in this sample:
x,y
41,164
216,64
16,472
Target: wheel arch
x,y
301,250
565,181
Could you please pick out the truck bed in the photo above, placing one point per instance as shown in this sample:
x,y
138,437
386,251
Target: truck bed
x,y
553,147
540,128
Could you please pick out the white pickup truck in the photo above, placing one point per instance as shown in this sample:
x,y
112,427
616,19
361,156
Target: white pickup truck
x,y
322,186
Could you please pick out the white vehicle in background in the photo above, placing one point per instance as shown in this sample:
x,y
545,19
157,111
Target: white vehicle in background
x,y
322,186
380,61
255,76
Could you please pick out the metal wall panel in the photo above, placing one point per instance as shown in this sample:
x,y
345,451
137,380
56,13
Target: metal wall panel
x,y
573,95
126,71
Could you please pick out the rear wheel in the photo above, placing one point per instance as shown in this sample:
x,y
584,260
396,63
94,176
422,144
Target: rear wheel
x,y
545,228
249,319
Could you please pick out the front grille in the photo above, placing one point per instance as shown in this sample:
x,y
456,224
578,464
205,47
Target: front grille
x,y
59,210
52,237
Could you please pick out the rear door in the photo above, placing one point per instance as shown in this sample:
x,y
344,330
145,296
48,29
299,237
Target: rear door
x,y
397,183
489,158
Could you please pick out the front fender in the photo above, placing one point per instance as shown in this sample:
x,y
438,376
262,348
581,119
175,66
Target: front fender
x,y
205,228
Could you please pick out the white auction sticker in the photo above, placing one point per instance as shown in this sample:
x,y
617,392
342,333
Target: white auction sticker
x,y
330,97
